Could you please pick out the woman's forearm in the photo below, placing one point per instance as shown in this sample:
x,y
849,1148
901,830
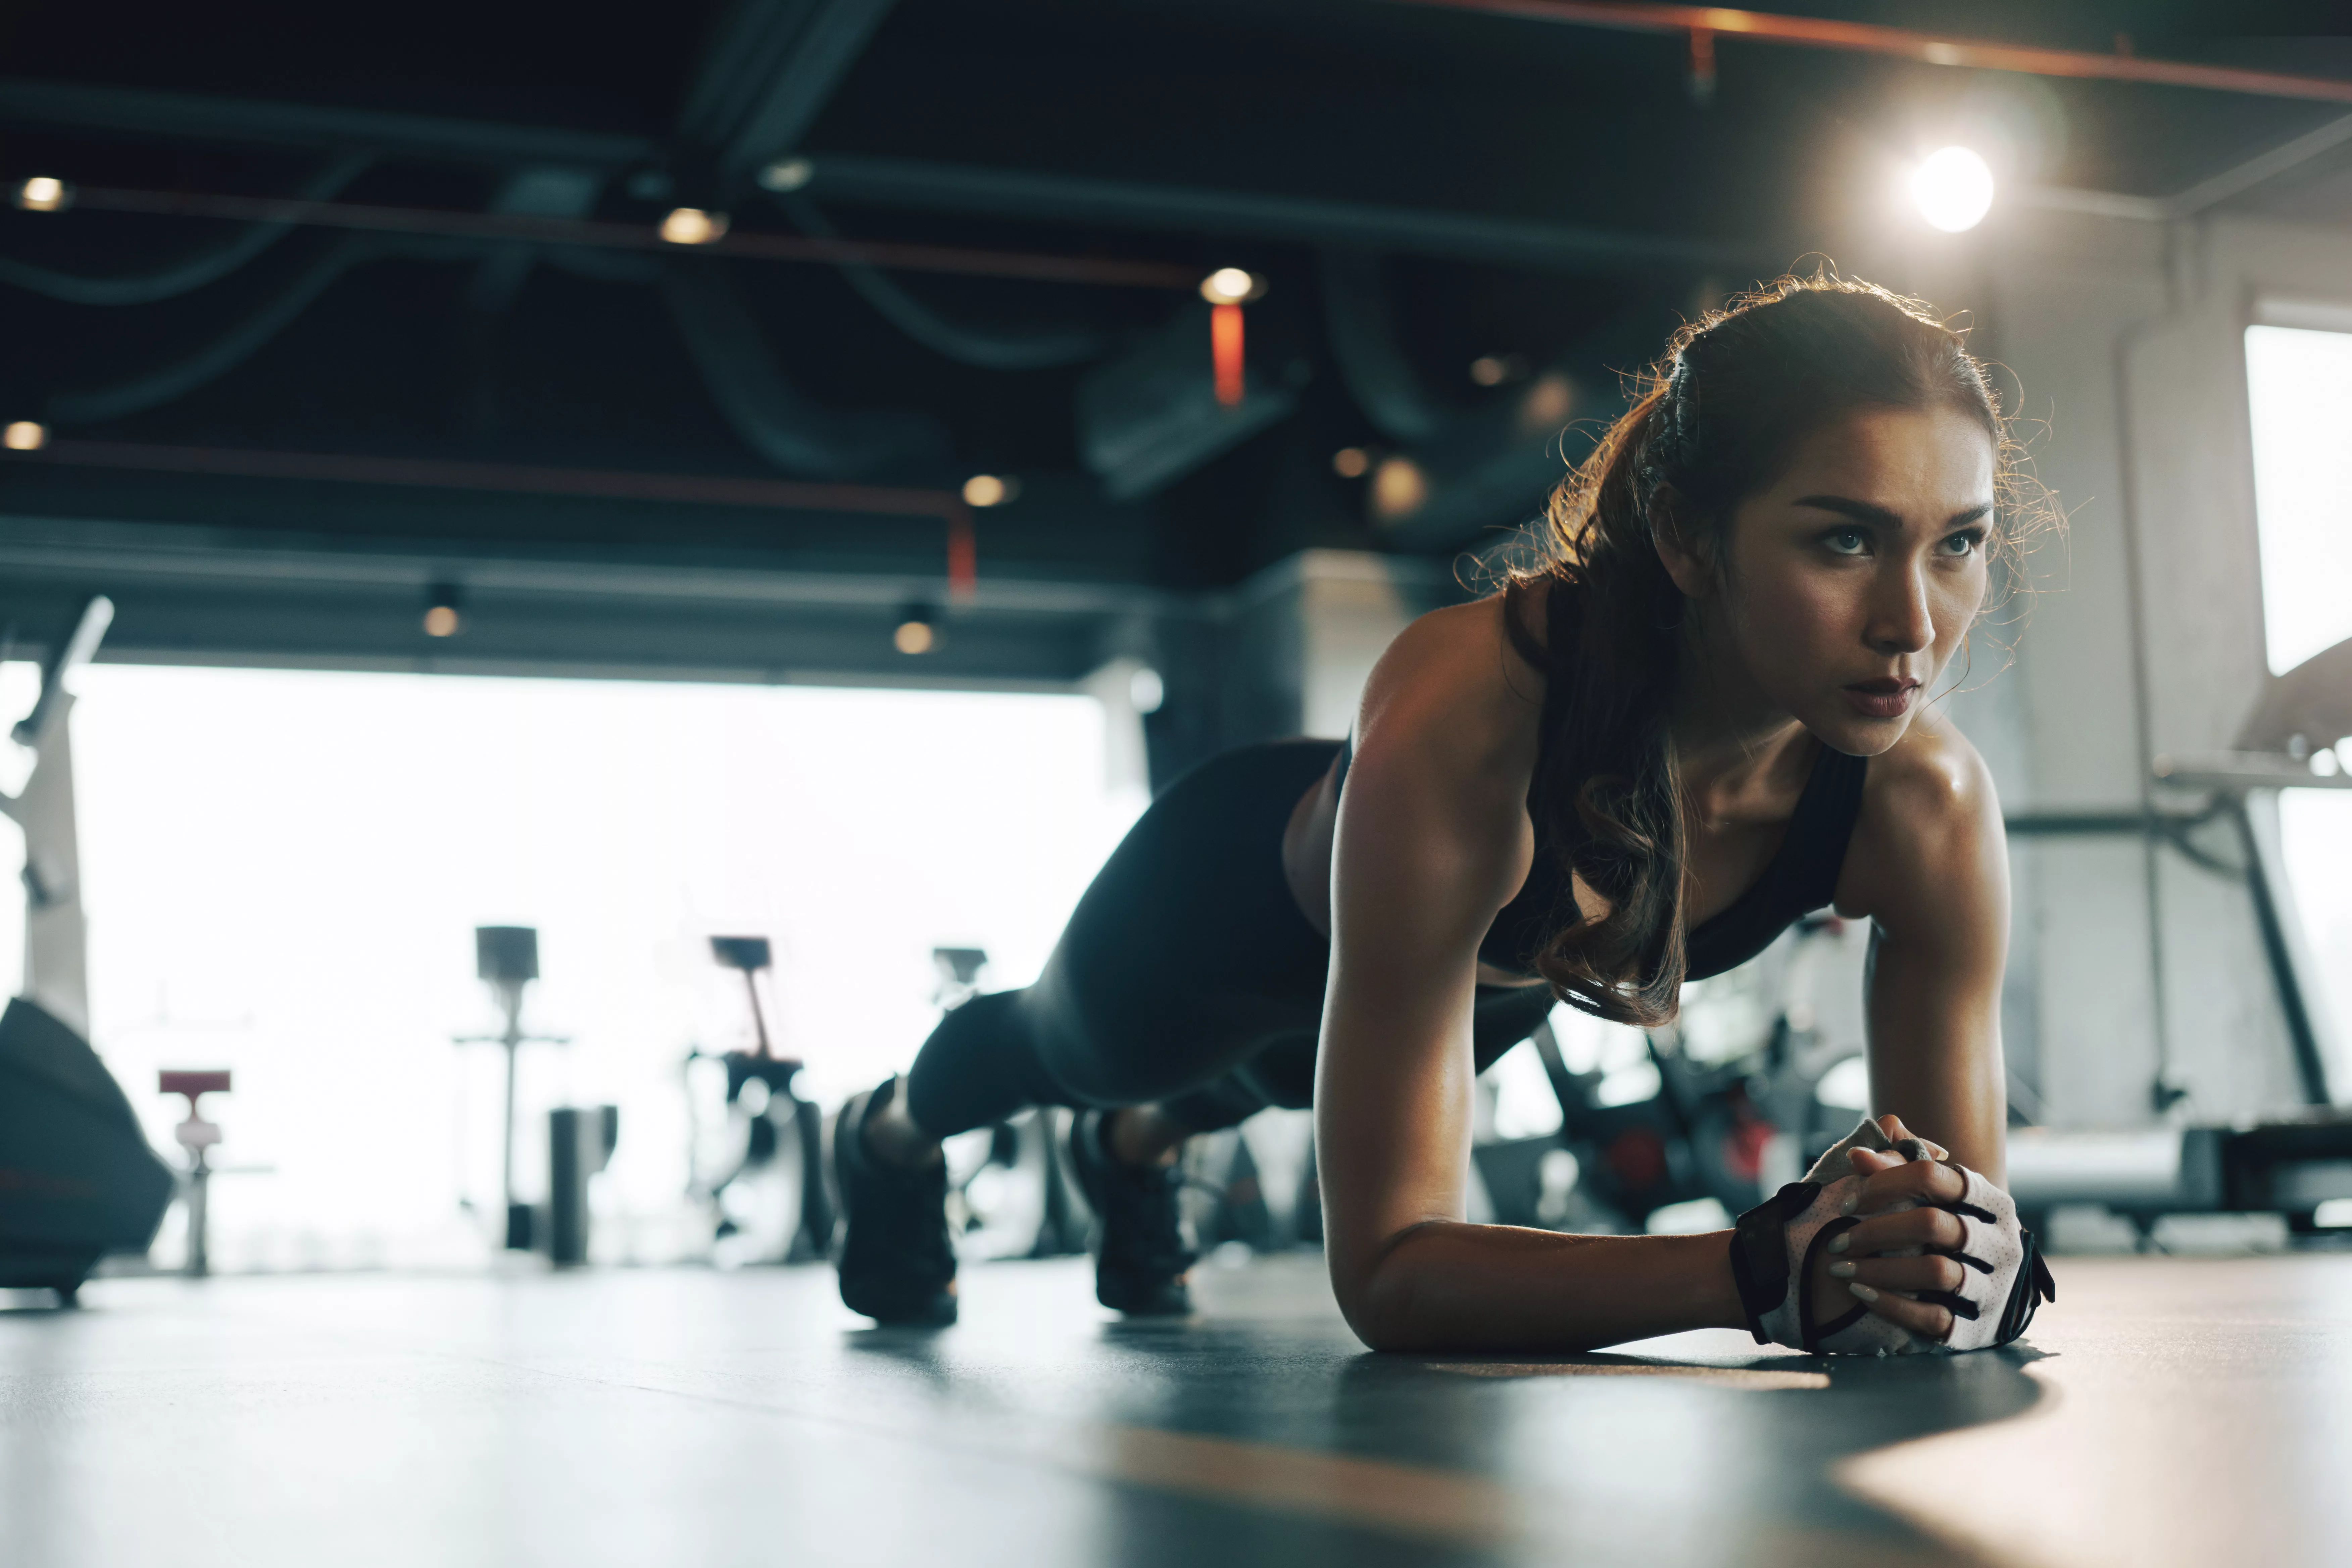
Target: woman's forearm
x,y
1448,1286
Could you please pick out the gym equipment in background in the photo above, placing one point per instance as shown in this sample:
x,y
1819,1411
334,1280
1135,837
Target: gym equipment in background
x,y
2300,1170
580,1143
2299,1167
198,1137
57,935
1705,1130
762,1099
507,958
77,1178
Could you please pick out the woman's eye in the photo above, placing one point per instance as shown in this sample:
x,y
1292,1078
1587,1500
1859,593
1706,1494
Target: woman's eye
x,y
1962,544
1846,542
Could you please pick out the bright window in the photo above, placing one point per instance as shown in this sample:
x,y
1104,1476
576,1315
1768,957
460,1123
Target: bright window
x,y
283,871
2301,387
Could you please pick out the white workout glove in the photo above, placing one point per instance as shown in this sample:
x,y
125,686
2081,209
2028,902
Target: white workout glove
x,y
1772,1253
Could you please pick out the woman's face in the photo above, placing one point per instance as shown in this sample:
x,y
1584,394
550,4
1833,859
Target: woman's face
x,y
1854,576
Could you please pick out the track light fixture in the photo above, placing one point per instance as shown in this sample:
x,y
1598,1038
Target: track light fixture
x,y
443,601
919,630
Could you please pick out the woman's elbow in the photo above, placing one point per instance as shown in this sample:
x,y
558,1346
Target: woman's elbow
x,y
1382,1296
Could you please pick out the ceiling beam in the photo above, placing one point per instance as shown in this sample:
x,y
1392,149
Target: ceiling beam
x,y
131,111
879,182
1127,204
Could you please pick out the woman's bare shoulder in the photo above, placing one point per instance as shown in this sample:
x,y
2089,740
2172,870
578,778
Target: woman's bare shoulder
x,y
1931,821
1460,654
1450,713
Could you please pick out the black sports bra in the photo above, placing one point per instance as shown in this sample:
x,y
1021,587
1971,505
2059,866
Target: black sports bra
x,y
1802,877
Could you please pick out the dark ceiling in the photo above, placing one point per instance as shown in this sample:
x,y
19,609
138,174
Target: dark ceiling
x,y
1420,186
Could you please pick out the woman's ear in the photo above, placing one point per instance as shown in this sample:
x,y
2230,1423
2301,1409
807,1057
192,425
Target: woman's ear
x,y
1682,548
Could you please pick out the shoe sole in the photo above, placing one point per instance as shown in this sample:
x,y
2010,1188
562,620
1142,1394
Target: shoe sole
x,y
1165,1299
932,1310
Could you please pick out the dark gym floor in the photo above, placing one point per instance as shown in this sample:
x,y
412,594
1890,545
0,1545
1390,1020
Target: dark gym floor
x,y
2171,1411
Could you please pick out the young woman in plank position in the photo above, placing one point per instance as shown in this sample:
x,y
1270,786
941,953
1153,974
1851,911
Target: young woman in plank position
x,y
1706,712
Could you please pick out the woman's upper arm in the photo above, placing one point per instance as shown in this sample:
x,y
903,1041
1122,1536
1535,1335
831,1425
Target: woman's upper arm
x,y
1432,839
1929,865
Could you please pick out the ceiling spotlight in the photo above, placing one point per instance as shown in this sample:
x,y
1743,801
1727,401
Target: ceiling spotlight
x,y
692,225
1231,285
1351,462
1399,489
919,630
786,174
1953,189
42,194
991,489
25,435
441,605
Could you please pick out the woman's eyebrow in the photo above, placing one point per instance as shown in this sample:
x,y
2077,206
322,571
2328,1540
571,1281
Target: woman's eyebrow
x,y
1880,517
1846,505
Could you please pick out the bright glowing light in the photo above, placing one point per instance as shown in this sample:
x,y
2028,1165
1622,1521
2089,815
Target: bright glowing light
x,y
1953,189
43,195
25,435
1351,462
1399,489
914,636
2299,383
787,174
627,821
990,489
1146,691
692,225
1230,285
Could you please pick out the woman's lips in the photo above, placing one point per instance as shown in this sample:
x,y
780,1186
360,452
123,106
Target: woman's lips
x,y
1886,697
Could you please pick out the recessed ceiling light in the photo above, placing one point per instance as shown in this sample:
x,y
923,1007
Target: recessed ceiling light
x,y
1231,285
990,489
41,193
692,225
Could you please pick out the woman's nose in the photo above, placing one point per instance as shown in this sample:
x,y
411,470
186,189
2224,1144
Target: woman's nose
x,y
1900,619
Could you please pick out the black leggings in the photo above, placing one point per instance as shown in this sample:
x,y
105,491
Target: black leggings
x,y
1186,975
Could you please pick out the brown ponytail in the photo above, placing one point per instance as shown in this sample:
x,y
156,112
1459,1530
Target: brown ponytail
x,y
1711,423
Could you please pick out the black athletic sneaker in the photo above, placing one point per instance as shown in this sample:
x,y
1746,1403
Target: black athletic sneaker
x,y
1139,1252
898,1264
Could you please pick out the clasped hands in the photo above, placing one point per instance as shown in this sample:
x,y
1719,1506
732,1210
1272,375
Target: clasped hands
x,y
1904,1244
1887,1248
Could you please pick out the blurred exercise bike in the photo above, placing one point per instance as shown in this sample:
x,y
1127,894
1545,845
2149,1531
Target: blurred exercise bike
x,y
771,1208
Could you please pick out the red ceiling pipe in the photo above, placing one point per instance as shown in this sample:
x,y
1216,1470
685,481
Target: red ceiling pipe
x,y
1904,43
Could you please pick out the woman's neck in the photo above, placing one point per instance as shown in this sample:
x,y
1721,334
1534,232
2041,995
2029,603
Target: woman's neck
x,y
1733,746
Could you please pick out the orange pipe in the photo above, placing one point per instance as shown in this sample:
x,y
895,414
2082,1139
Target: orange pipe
x,y
963,555
1902,43
1225,352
